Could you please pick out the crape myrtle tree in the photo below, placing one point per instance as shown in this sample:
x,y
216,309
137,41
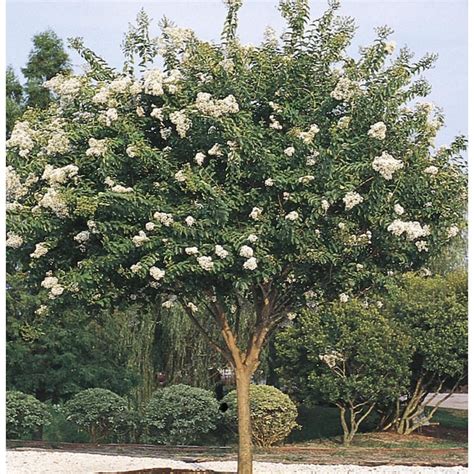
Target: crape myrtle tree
x,y
274,174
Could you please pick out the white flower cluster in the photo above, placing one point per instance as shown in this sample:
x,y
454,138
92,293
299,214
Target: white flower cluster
x,y
191,250
292,216
199,158
220,251
97,147
14,241
216,150
15,189
308,136
205,263
180,176
227,65
289,151
250,264
52,200
216,108
22,137
136,267
422,245
131,151
164,218
109,116
344,122
361,239
153,82
56,176
256,213
246,251
190,221
343,298
412,229
177,37
351,199
432,170
453,231
331,359
40,250
386,165
274,123
399,210
181,121
52,284
325,205
157,273
269,182
344,90
377,131
82,236
140,239
389,47
65,87
58,143
192,307
169,303
121,85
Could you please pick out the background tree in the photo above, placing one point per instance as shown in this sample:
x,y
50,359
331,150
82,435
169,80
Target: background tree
x,y
47,59
14,99
433,311
274,175
347,355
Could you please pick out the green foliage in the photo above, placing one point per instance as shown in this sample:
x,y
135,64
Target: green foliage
x,y
47,59
62,430
101,413
14,99
180,414
272,412
25,415
433,311
339,353
57,354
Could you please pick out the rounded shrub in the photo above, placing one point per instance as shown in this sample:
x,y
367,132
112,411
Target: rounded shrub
x,y
272,412
25,415
181,414
101,413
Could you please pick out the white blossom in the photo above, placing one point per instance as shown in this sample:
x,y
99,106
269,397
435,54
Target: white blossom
x,y
40,250
246,251
82,237
49,281
344,90
59,175
389,47
97,147
157,273
398,209
290,151
412,229
343,298
21,137
150,226
220,251
199,158
308,136
52,200
140,111
181,121
292,216
422,245
386,165
58,143
250,264
377,131
190,221
269,182
205,263
136,267
306,179
432,170
359,266
206,105
153,82
192,307
118,188
453,231
14,241
325,205
140,239
216,150
274,123
191,250
131,151
180,176
344,122
164,218
252,238
41,310
351,199
256,213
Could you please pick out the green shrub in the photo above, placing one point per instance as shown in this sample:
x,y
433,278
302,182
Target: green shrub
x,y
101,413
61,429
181,414
25,415
272,411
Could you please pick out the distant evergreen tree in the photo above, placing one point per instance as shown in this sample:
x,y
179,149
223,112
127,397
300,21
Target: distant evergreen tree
x,y
14,100
47,59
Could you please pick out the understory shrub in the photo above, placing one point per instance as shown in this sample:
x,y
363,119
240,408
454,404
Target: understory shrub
x,y
25,415
181,414
273,414
101,413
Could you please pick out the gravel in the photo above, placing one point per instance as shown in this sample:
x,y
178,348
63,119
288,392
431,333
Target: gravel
x,y
23,461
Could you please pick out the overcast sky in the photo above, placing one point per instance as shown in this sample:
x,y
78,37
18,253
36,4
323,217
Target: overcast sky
x,y
424,25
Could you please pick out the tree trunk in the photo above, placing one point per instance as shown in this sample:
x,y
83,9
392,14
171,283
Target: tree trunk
x,y
245,458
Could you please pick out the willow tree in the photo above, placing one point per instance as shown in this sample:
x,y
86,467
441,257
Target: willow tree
x,y
278,174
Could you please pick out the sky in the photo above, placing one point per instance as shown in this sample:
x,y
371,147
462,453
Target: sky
x,y
438,26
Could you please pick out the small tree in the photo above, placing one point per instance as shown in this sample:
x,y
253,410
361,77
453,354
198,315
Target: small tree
x,y
272,412
14,99
348,355
274,174
24,415
99,412
433,311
